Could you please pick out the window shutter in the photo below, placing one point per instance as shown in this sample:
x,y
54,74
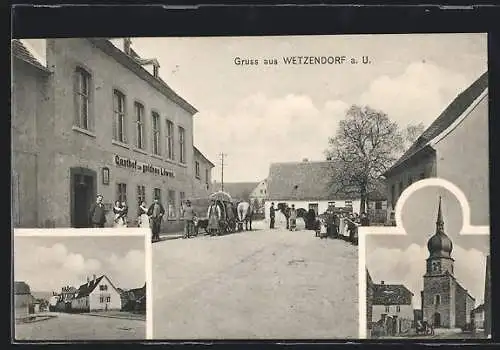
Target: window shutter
x,y
76,100
136,125
115,107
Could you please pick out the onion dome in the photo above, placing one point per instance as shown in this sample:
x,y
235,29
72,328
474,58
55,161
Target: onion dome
x,y
439,245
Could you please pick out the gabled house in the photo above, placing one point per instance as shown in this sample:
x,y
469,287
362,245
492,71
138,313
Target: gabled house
x,y
393,301
258,196
98,294
478,317
23,300
310,185
455,148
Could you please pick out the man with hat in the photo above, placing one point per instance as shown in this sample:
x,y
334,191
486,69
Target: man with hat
x,y
188,214
156,212
97,213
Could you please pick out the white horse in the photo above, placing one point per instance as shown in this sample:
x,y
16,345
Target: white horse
x,y
245,213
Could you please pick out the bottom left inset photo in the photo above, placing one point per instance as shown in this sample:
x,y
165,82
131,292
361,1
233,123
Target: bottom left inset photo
x,y
79,288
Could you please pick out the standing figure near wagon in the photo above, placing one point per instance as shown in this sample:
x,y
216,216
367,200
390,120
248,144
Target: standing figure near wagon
x,y
214,215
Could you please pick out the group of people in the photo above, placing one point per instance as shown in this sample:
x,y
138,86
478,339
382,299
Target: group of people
x,y
329,224
148,217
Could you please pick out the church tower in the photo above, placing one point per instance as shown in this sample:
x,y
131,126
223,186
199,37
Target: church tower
x,y
438,299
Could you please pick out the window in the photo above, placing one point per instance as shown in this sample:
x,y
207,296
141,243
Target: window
x,y
207,176
387,309
121,192
197,169
141,194
398,308
171,204
348,203
108,299
261,191
170,140
182,145
437,299
103,287
82,98
155,71
101,300
119,123
436,266
157,194
156,133
182,197
139,120
378,205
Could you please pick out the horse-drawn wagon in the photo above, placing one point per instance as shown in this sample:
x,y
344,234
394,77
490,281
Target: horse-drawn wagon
x,y
226,214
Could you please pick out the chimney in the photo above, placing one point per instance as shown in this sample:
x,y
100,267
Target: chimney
x,y
93,281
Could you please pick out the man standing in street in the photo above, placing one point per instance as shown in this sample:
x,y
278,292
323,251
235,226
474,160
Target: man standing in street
x,y
271,215
156,212
97,213
188,215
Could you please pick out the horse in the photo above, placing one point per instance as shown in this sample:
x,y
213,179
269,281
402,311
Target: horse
x,y
245,214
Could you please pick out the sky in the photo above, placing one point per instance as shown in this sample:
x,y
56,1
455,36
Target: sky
x,y
259,114
49,263
401,259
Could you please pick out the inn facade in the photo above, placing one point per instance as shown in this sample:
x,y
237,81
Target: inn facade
x,y
93,117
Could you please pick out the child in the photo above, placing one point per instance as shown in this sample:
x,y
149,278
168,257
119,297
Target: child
x,y
317,226
195,225
323,232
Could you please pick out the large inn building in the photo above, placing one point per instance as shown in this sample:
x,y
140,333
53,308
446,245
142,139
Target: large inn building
x,y
90,117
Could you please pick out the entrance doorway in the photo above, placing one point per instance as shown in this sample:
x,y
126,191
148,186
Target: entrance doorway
x,y
437,320
83,192
314,206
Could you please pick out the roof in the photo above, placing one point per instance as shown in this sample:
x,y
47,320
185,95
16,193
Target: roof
x,y
138,292
310,181
197,151
87,288
454,110
480,308
21,52
237,190
391,294
21,288
131,63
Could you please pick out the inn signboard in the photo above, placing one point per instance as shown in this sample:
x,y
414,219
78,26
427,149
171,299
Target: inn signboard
x,y
142,167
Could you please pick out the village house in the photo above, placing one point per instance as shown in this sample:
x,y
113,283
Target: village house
x,y
98,294
455,148
91,116
258,196
134,299
309,185
478,317
445,302
392,308
23,300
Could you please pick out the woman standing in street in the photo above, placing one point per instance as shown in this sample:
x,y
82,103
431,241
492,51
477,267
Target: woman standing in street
x,y
118,211
214,215
143,216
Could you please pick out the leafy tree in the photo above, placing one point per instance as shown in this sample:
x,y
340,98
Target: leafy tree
x,y
366,144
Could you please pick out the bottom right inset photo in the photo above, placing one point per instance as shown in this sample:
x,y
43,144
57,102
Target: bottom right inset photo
x,y
432,282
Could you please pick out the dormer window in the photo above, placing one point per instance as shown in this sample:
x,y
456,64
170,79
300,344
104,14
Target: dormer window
x,y
156,70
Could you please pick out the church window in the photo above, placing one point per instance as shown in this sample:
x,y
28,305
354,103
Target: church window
x,y
437,299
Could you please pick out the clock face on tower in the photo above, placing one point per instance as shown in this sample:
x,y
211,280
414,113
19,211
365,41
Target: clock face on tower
x,y
436,266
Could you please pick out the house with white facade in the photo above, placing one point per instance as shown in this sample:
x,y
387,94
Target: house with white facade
x,y
309,185
258,196
393,301
98,294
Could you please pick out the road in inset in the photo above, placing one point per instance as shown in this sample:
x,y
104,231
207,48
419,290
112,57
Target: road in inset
x,y
81,327
272,284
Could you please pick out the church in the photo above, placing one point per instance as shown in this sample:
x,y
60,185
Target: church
x,y
445,303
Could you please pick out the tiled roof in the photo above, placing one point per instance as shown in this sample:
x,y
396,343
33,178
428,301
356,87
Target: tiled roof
x,y
20,51
237,190
21,288
87,288
446,118
309,180
138,293
391,294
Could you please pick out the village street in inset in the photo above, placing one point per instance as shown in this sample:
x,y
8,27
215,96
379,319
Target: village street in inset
x,y
255,285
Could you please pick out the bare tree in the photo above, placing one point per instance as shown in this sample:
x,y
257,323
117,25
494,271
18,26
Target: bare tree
x,y
366,144
411,133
